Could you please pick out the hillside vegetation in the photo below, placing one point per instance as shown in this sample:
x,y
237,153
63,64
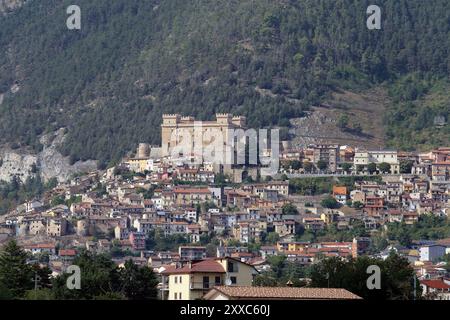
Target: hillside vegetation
x,y
109,83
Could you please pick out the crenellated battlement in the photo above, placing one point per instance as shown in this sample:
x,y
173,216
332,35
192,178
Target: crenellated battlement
x,y
170,119
239,121
173,122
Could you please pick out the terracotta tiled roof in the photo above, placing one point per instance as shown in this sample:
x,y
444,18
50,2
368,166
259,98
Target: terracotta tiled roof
x,y
336,244
192,190
339,190
444,242
67,252
40,246
198,267
435,284
286,293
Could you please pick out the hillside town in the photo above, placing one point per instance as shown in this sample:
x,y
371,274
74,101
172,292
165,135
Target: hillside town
x,y
205,228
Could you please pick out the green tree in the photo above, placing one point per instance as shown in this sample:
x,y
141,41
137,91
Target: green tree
x,y
343,121
272,237
396,277
384,167
15,274
372,168
346,167
404,238
99,276
406,166
296,164
44,276
41,294
220,179
330,203
5,293
357,205
58,200
289,209
137,283
308,166
322,165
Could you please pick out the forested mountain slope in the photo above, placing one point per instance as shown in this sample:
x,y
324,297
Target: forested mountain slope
x,y
133,60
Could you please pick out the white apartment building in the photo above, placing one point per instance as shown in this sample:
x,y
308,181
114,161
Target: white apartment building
x,y
365,157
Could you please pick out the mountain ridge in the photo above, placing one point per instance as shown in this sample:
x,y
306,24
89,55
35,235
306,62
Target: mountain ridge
x,y
109,83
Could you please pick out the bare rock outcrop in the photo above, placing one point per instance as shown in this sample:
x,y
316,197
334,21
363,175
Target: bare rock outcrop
x,y
53,164
49,162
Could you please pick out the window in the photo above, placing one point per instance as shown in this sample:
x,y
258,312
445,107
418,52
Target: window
x,y
175,295
233,280
205,282
181,297
217,280
176,279
230,267
180,281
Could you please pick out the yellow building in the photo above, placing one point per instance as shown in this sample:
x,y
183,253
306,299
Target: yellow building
x,y
140,164
291,246
297,246
329,217
194,279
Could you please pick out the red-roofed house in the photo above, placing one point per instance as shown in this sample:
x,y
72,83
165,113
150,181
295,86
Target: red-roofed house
x,y
195,278
435,289
40,248
340,194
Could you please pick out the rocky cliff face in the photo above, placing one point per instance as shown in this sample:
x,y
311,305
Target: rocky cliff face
x,y
54,164
49,162
15,163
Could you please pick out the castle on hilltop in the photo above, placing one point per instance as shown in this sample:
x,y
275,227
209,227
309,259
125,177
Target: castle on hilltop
x,y
173,122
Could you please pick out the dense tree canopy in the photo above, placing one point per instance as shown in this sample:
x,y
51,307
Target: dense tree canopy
x,y
396,277
102,279
132,61
17,276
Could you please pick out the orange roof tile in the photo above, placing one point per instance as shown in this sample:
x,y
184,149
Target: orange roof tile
x,y
286,293
198,267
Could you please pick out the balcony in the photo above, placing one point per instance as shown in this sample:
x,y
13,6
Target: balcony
x,y
203,285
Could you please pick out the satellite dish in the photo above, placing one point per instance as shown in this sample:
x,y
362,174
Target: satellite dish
x,y
228,282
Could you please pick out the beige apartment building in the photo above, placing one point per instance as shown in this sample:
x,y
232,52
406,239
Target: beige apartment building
x,y
327,153
56,227
194,279
365,157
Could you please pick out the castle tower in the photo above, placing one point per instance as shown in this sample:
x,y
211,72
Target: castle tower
x,y
224,118
169,124
143,150
173,122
